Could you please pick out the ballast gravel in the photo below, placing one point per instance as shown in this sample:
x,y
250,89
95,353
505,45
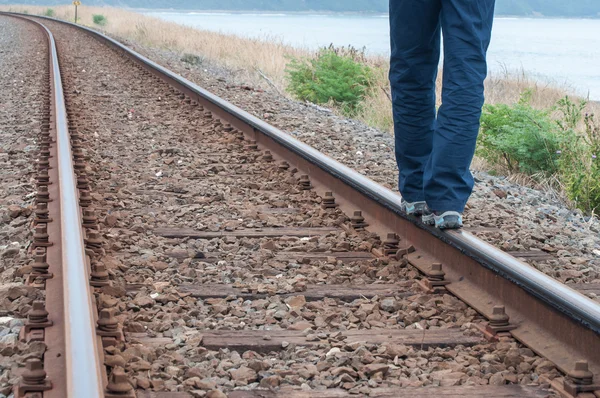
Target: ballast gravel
x,y
22,54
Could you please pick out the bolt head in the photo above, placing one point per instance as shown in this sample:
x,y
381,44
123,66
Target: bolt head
x,y
33,364
582,365
498,310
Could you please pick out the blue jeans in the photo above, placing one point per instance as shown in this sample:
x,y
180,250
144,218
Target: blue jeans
x,y
434,152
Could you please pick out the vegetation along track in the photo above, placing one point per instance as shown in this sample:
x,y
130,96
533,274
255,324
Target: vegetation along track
x,y
222,262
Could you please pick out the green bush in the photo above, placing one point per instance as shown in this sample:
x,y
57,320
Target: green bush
x,y
550,142
191,59
330,77
572,113
99,19
521,138
49,12
580,167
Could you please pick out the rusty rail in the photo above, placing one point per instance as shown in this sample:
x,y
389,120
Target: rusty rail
x,y
72,363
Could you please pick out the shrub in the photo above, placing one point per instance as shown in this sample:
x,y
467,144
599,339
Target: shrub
x,y
519,137
571,112
191,59
99,19
330,78
580,167
523,139
49,12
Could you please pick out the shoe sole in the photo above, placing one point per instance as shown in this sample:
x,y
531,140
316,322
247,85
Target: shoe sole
x,y
428,219
448,220
416,209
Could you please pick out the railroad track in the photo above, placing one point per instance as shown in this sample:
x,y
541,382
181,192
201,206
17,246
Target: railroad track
x,y
187,246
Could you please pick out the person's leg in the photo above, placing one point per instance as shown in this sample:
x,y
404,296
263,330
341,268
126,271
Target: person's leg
x,y
415,38
466,28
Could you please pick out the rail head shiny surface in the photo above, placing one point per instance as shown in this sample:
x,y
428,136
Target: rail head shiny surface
x,y
83,364
555,294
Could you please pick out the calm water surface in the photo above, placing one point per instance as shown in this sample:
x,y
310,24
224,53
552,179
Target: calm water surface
x,y
558,51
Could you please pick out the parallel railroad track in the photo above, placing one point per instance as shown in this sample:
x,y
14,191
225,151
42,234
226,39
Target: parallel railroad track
x,y
243,156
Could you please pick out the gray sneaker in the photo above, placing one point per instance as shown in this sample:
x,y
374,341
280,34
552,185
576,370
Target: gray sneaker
x,y
414,208
443,220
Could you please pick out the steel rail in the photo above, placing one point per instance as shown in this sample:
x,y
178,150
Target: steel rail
x,y
83,372
554,320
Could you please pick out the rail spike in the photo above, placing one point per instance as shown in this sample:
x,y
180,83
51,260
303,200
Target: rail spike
x,y
119,385
580,380
34,379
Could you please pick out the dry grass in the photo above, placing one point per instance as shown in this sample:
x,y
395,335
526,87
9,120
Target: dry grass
x,y
245,56
252,59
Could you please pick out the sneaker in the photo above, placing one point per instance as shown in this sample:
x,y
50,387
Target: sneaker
x,y
443,220
428,217
414,208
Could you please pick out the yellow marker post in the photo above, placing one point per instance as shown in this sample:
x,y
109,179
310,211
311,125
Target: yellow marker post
x,y
76,3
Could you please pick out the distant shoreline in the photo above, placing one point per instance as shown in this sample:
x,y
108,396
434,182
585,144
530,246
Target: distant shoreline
x,y
328,13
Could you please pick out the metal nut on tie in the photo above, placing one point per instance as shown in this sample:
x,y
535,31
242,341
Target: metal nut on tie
x,y
499,321
99,276
304,183
43,162
43,178
45,151
34,373
42,214
267,157
38,316
108,325
119,385
79,164
390,244
93,240
580,380
33,378
84,198
43,196
328,201
89,219
41,237
358,221
40,266
434,283
78,154
499,317
581,375
82,181
436,274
